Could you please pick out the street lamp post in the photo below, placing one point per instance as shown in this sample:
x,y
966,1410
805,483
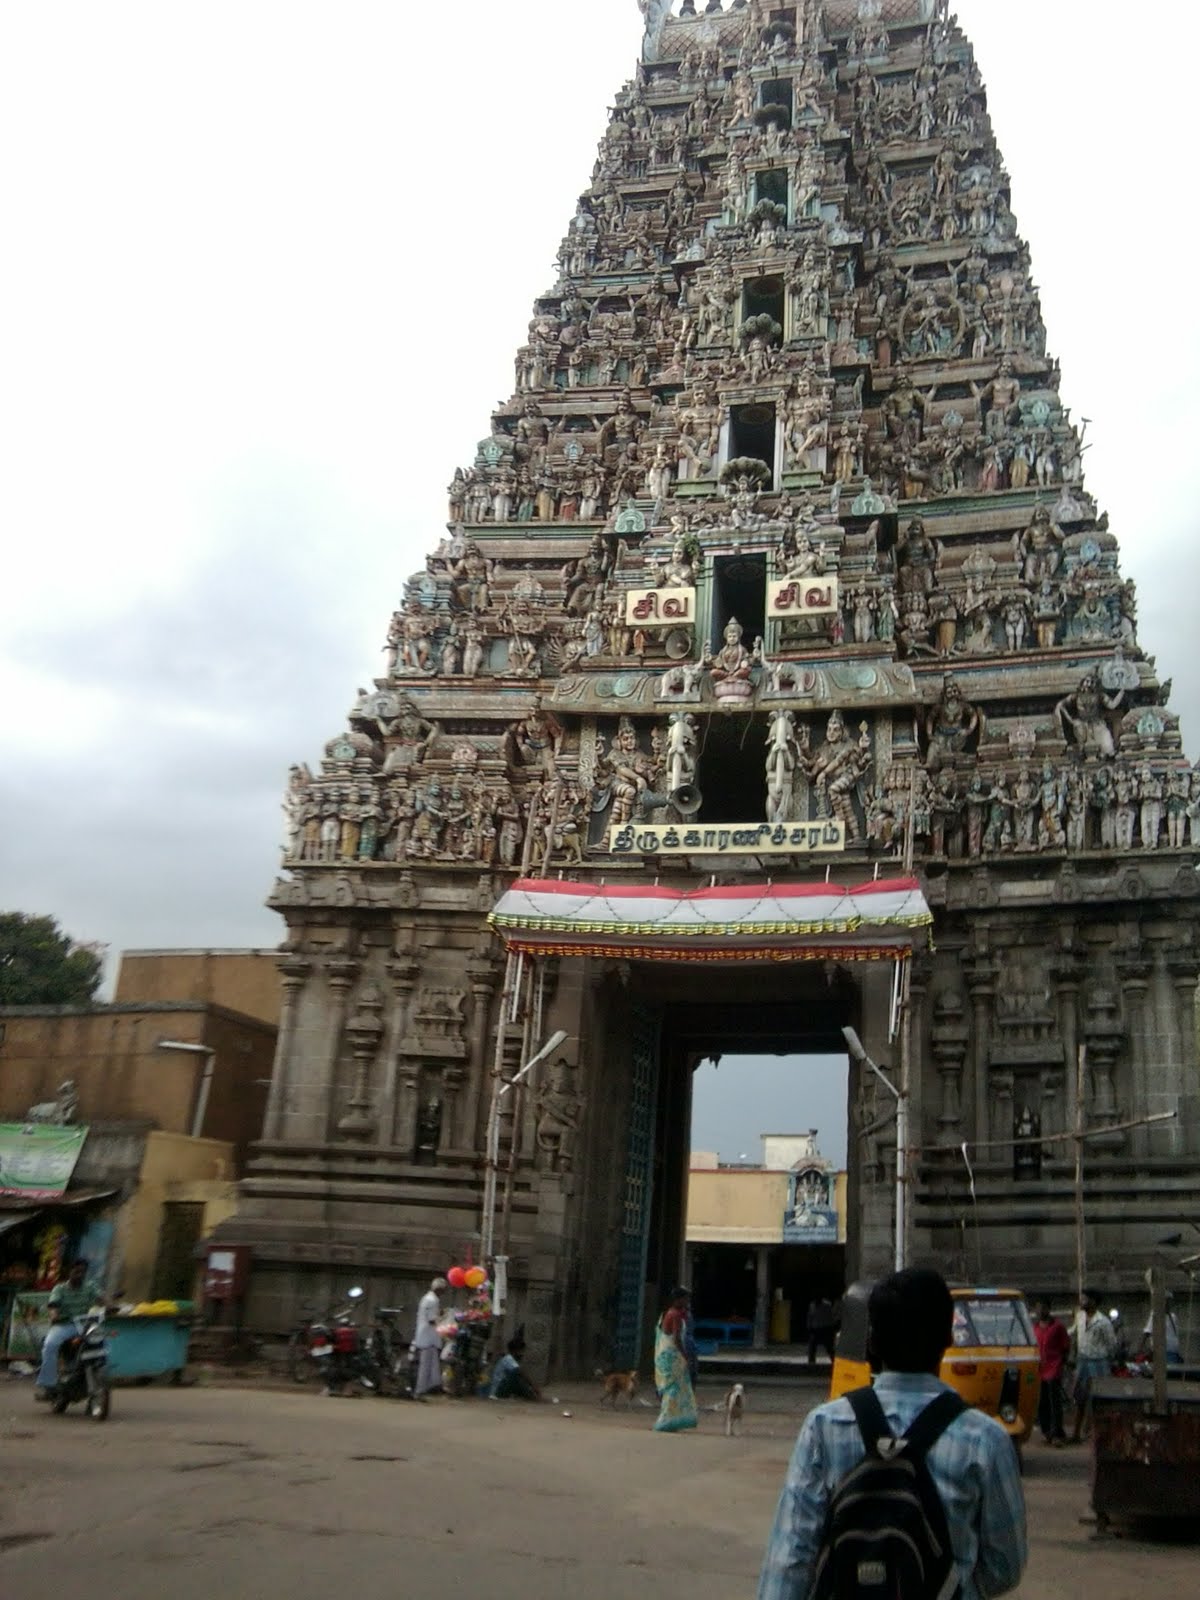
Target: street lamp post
x,y
855,1046
200,1110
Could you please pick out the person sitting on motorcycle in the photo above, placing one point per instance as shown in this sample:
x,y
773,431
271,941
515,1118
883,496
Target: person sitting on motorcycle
x,y
70,1298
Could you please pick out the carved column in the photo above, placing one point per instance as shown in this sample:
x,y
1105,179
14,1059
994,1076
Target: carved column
x,y
918,1033
340,975
1184,970
482,976
1058,1109
402,970
981,985
1134,973
1104,1037
294,974
364,1030
948,1042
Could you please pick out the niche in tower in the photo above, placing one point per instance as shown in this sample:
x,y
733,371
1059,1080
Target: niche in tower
x,y
752,433
772,184
740,590
763,297
730,773
778,92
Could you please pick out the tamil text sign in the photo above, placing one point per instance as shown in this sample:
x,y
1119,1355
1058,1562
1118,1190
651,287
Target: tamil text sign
x,y
728,838
660,607
802,597
36,1161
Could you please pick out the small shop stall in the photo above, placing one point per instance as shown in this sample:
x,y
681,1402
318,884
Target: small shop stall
x,y
36,1244
465,1333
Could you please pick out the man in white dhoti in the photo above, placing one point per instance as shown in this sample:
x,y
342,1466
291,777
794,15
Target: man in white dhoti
x,y
427,1343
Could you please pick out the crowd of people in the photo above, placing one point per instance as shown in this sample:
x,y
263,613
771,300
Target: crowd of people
x,y
1071,1360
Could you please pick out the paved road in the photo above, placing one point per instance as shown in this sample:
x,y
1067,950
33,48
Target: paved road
x,y
242,1494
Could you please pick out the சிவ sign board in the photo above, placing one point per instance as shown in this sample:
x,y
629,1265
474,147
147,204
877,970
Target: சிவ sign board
x,y
728,838
37,1159
802,597
660,608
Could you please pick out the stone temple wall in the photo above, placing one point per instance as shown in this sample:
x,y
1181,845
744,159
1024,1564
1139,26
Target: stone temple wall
x,y
779,561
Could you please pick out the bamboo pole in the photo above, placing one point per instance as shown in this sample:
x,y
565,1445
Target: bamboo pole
x,y
1080,1134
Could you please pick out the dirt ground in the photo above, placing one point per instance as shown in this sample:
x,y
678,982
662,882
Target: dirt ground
x,y
242,1493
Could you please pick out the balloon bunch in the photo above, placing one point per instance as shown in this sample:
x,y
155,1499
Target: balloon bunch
x,y
466,1277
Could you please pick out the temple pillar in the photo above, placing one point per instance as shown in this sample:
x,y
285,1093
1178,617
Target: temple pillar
x,y
482,977
1184,971
402,970
1058,1105
294,974
1134,973
340,975
762,1295
981,985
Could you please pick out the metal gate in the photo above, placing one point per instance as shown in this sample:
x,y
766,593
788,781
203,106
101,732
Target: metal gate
x,y
639,1184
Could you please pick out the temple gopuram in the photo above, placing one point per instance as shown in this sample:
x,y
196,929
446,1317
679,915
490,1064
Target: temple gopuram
x,y
774,673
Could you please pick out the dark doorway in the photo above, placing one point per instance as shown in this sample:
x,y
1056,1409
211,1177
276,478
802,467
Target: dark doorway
x,y
763,297
772,184
740,591
175,1265
734,788
778,92
752,433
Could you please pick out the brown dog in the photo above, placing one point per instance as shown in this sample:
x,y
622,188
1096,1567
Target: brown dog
x,y
617,1384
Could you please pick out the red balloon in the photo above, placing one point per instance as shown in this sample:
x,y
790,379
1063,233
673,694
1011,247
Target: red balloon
x,y
456,1278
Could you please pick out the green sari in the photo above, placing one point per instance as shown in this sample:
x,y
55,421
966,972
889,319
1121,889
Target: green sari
x,y
672,1378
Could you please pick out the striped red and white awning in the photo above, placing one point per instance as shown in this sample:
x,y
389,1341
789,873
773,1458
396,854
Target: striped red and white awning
x,y
879,920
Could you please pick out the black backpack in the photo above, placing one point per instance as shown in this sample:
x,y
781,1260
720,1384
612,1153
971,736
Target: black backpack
x,y
885,1532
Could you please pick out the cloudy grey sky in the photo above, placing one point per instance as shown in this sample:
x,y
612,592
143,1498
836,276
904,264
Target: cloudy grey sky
x,y
267,264
735,1102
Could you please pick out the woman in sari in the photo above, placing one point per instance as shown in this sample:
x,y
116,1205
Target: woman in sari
x,y
671,1376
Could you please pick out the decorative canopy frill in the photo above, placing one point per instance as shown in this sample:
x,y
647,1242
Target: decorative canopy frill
x,y
748,922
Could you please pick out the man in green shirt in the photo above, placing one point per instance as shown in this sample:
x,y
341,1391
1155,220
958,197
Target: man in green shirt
x,y
69,1300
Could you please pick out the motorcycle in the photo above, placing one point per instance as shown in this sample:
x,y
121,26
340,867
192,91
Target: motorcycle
x,y
390,1352
339,1353
83,1370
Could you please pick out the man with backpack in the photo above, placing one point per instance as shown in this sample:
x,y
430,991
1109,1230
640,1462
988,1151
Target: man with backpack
x,y
899,1491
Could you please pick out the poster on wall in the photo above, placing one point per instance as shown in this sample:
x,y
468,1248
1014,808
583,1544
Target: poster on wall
x,y
36,1161
28,1326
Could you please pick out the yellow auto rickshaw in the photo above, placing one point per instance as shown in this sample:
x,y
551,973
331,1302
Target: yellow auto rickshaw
x,y
993,1362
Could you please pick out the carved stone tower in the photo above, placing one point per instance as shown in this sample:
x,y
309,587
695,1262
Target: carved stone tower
x,y
781,549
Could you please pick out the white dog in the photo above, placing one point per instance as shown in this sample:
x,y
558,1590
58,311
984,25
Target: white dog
x,y
735,1405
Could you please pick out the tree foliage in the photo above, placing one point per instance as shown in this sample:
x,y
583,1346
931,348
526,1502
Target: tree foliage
x,y
41,966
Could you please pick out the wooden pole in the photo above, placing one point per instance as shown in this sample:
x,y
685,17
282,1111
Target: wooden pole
x,y
1080,1239
1158,1334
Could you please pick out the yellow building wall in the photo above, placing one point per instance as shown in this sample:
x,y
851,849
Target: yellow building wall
x,y
175,1168
745,1206
240,980
736,1206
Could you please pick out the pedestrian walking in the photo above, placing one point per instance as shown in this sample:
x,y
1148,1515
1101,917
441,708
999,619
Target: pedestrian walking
x,y
671,1375
1054,1346
1172,1343
857,1507
821,1326
427,1341
1095,1350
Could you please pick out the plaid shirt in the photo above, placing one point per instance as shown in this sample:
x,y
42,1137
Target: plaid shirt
x,y
973,1465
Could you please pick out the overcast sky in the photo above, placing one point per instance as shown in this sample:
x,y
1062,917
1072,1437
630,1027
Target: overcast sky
x,y
266,266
